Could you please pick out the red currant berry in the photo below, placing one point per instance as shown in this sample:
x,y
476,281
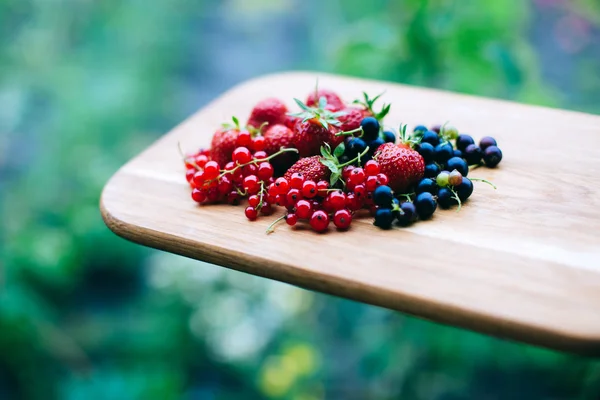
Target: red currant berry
x,y
266,209
273,190
342,219
201,160
251,213
249,169
371,183
211,170
297,180
371,168
229,166
315,205
309,189
233,198
350,186
326,205
259,155
282,185
360,191
322,187
291,219
272,199
337,200
258,143
253,201
357,176
237,177
265,171
213,195
353,203
225,185
199,178
244,139
319,221
189,174
198,195
251,184
303,209
347,171
241,155
281,200
368,200
292,197
382,178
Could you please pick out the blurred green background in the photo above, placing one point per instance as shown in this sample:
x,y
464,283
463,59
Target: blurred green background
x,y
85,85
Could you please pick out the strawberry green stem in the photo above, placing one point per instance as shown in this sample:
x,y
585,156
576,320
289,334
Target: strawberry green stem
x,y
270,227
352,132
484,181
357,158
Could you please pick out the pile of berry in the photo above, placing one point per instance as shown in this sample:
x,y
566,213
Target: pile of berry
x,y
333,162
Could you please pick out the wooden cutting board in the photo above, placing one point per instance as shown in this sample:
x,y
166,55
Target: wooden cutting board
x,y
520,262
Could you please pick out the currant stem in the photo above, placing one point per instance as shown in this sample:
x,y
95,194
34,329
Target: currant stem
x,y
357,158
484,181
270,227
185,158
457,199
255,162
352,132
408,196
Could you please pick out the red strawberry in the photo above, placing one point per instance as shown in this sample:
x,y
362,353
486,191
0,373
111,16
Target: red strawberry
x,y
276,137
334,101
403,166
290,121
310,135
222,145
272,111
352,118
311,168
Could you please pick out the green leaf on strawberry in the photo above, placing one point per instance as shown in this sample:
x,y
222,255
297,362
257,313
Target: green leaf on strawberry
x,y
320,114
368,103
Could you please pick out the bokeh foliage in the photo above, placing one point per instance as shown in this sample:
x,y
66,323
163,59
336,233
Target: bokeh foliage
x,y
85,85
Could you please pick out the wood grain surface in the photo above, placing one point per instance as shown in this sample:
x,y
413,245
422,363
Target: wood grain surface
x,y
521,262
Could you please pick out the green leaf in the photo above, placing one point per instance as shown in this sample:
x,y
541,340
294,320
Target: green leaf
x,y
339,150
333,167
322,102
326,151
236,121
335,176
302,105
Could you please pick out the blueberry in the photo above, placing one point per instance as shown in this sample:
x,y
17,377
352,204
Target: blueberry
x,y
344,159
457,153
457,163
436,128
446,198
389,137
431,137
426,151
409,214
383,196
355,146
384,218
465,189
443,152
420,128
473,154
492,156
486,142
374,145
370,128
426,185
425,205
432,170
462,141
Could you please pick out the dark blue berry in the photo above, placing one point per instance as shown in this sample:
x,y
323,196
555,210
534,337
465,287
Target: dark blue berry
x,y
370,128
446,198
420,128
408,215
436,128
462,141
457,163
374,145
432,170
389,137
344,159
383,196
355,146
473,154
426,151
457,153
431,137
465,189
492,156
443,152
384,218
426,185
486,142
425,204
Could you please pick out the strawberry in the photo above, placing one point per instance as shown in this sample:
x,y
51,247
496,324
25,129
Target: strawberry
x,y
311,169
315,127
276,137
403,166
333,100
224,142
271,111
352,119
